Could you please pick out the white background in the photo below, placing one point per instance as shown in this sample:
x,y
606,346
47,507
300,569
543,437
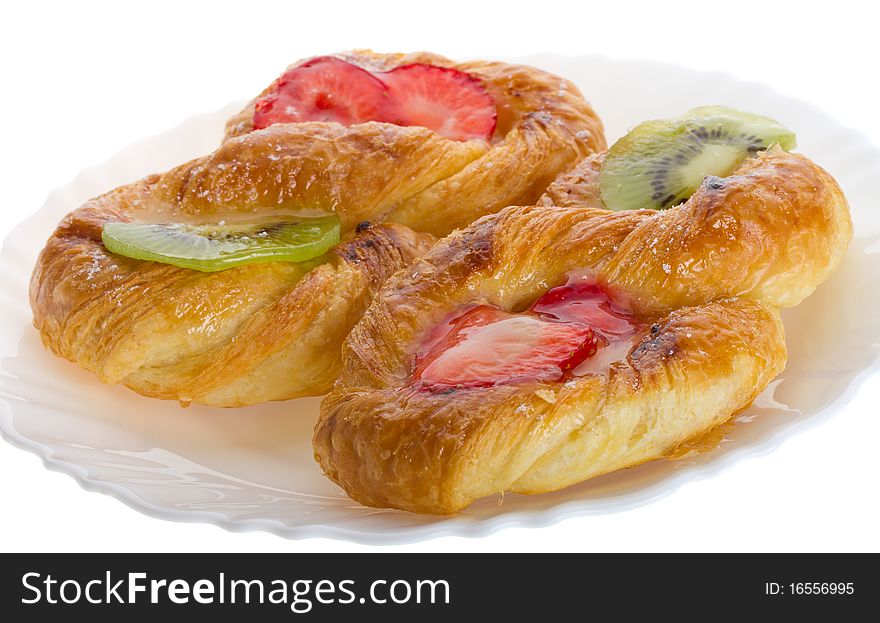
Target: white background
x,y
80,80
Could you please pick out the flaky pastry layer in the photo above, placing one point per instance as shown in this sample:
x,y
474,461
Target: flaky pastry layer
x,y
273,331
249,334
544,127
705,278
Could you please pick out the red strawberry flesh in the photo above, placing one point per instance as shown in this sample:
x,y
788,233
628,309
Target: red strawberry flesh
x,y
483,346
487,346
322,89
450,102
585,302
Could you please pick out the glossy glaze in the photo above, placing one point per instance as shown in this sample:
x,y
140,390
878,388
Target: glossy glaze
x,y
576,328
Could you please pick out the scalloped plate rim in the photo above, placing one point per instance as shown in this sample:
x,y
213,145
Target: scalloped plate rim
x,y
454,525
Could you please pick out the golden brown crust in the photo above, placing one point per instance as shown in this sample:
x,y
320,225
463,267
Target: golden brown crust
x,y
713,240
238,336
241,336
717,238
544,127
578,188
437,453
717,341
308,168
228,338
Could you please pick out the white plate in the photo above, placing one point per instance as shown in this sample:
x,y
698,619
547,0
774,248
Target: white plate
x,y
253,469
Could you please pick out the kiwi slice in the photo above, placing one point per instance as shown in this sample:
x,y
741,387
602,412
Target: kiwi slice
x,y
659,164
211,248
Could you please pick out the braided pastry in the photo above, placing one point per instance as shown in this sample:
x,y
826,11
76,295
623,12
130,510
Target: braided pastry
x,y
273,331
460,381
544,126
252,333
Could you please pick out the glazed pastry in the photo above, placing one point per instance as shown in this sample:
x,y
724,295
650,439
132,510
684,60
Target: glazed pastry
x,y
173,285
543,346
513,128
257,331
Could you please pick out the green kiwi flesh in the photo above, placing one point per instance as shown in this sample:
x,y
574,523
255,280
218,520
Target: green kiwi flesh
x,y
659,164
210,248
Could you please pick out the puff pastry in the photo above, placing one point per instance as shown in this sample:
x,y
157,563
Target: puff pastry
x,y
703,281
544,127
273,331
252,333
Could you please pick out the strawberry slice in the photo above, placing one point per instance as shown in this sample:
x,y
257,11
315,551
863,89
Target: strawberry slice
x,y
450,102
584,302
486,346
322,89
